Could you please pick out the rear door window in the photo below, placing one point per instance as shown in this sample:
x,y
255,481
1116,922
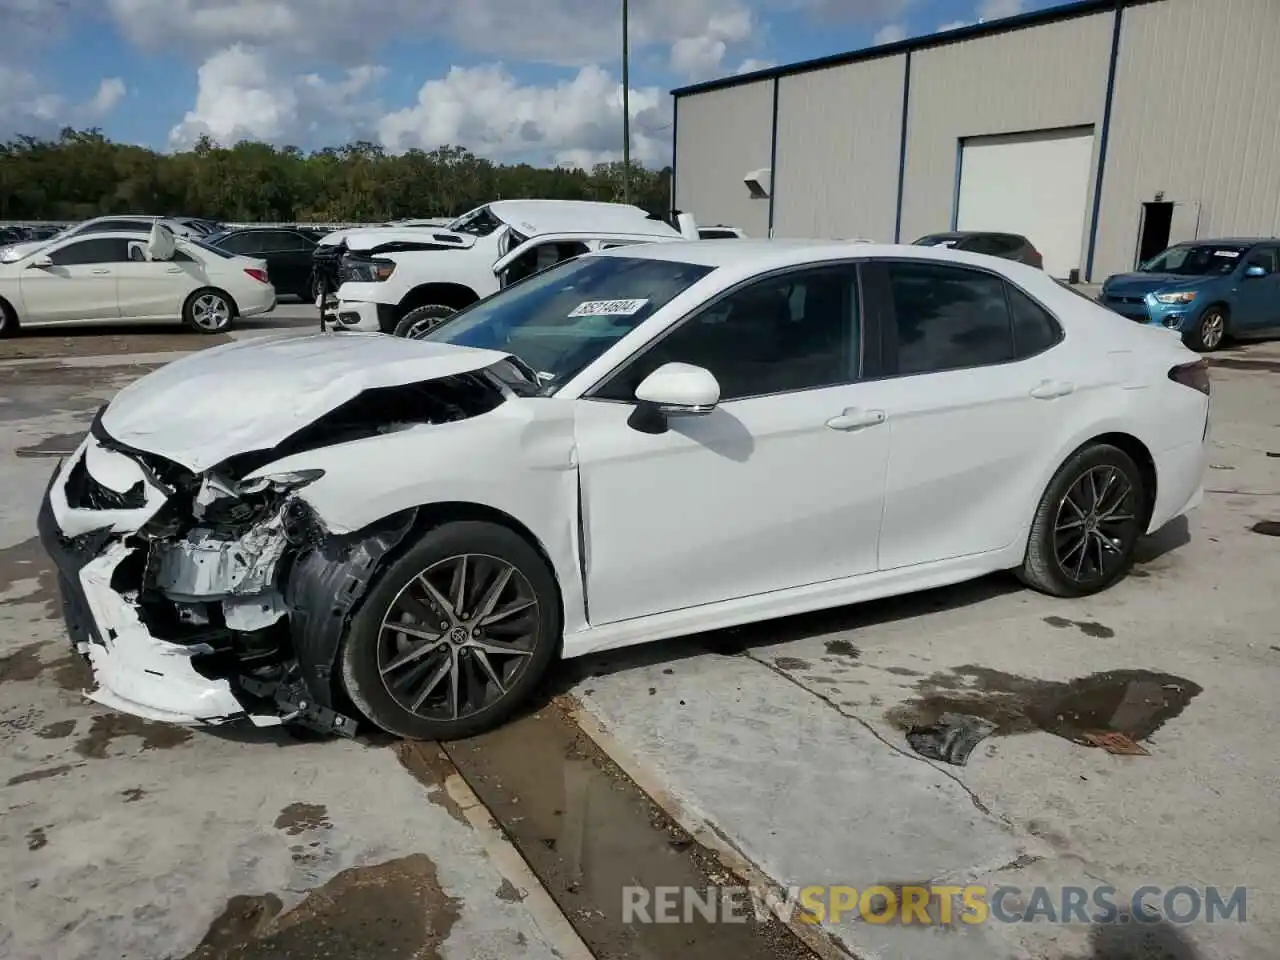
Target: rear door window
x,y
948,317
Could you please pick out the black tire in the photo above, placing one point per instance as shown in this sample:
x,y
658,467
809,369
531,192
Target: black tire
x,y
201,315
1051,565
422,320
8,321
1211,330
370,650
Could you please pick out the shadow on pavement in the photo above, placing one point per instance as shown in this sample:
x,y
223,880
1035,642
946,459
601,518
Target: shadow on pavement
x,y
1129,939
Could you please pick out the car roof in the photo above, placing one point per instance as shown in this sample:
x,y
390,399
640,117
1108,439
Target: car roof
x,y
534,217
758,255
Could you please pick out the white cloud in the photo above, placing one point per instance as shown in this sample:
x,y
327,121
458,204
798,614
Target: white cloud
x,y
578,121
702,56
890,33
953,25
27,107
110,92
239,96
998,9
750,65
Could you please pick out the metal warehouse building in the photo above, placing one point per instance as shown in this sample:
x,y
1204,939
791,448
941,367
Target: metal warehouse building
x,y
1101,130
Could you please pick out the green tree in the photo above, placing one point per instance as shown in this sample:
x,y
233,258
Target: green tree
x,y
83,174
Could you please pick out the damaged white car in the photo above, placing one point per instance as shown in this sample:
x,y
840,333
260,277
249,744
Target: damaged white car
x,y
632,445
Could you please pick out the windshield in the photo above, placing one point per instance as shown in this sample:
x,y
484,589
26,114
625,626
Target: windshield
x,y
479,222
561,319
1201,260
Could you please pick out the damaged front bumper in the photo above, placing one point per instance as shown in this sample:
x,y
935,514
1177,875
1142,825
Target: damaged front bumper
x,y
177,597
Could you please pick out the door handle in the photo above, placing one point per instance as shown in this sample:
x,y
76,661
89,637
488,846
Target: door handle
x,y
1052,389
855,418
173,270
102,271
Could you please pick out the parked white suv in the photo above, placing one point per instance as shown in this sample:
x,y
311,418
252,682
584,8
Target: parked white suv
x,y
406,280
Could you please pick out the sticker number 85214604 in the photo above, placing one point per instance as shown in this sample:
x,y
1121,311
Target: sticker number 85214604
x,y
608,308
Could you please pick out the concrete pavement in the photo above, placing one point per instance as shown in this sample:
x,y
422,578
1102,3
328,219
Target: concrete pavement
x,y
780,747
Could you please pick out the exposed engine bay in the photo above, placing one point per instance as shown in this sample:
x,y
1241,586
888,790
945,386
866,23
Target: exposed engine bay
x,y
202,597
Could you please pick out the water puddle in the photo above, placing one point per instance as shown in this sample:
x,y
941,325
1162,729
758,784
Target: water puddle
x,y
1268,528
58,445
391,911
588,832
1135,703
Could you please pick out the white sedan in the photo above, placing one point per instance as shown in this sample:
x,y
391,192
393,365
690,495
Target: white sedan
x,y
637,444
112,278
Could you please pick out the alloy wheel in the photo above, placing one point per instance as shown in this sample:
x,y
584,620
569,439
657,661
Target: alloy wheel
x,y
1212,328
457,637
210,312
1096,524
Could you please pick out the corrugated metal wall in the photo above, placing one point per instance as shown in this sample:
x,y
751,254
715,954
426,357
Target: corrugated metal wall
x,y
839,132
1195,114
721,136
1034,79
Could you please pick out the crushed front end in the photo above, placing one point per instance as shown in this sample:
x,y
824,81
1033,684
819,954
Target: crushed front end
x,y
174,584
209,589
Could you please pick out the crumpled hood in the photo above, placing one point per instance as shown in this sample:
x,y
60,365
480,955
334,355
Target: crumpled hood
x,y
250,395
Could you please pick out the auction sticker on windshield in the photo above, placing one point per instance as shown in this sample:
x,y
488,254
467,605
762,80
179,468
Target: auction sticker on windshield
x,y
608,308
1226,253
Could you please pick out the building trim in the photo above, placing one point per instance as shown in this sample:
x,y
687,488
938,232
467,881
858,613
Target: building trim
x,y
902,147
1103,137
955,187
773,155
1037,18
675,133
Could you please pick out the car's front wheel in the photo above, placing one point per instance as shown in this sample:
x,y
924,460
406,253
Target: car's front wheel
x,y
1087,524
1209,332
455,636
417,323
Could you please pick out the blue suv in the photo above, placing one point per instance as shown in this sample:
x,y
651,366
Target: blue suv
x,y
1207,290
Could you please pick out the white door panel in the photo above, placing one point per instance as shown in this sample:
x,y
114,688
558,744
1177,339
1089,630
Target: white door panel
x,y
967,454
59,294
1036,185
156,289
761,494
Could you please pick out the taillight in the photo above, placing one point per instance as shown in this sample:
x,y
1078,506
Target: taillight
x,y
1035,259
259,275
1194,375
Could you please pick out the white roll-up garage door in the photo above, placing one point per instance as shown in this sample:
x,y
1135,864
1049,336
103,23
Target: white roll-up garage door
x,y
1036,185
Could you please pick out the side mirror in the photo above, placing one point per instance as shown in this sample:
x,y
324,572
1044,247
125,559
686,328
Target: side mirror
x,y
1253,270
673,390
40,263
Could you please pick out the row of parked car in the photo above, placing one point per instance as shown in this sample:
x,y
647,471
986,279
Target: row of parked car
x,y
404,277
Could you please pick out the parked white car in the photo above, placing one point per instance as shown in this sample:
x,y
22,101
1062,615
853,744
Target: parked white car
x,y
406,280
637,444
135,223
120,278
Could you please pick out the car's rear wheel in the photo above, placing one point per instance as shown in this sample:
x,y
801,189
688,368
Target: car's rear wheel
x,y
1087,524
1209,332
420,321
209,311
455,636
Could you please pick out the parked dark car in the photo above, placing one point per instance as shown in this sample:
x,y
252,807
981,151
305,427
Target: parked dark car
x,y
1207,290
287,252
1009,246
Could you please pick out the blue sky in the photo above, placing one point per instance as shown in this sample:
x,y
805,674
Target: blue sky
x,y
486,74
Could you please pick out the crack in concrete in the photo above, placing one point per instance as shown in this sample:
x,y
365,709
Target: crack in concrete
x,y
973,796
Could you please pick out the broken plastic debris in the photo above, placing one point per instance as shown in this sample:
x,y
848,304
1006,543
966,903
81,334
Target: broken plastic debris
x,y
1115,742
951,739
